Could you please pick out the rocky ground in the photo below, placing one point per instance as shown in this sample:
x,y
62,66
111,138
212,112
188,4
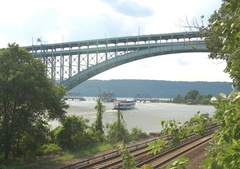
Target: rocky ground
x,y
196,156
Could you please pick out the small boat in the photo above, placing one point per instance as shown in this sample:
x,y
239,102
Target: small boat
x,y
123,105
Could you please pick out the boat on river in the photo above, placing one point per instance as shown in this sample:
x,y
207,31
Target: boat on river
x,y
124,104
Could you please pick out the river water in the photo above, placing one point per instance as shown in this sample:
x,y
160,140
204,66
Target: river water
x,y
145,116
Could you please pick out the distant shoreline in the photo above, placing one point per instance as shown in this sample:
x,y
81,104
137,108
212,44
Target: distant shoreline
x,y
153,88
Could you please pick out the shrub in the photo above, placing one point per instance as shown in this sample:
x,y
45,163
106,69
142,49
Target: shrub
x,y
117,132
137,134
73,134
51,149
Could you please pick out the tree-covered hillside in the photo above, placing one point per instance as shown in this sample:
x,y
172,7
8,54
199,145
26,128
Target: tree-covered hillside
x,y
155,88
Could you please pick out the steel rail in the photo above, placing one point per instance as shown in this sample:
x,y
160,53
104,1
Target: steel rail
x,y
104,156
111,155
174,149
176,155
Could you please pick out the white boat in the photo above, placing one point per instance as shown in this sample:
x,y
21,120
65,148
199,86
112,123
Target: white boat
x,y
124,104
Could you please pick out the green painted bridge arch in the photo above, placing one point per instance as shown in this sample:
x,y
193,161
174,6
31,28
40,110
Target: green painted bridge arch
x,y
71,63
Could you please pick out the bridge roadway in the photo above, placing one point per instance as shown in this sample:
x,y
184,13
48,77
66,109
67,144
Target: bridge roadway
x,y
73,96
71,63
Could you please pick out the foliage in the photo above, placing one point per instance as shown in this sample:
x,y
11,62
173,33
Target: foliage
x,y
225,147
193,97
199,123
73,134
137,134
127,158
100,110
174,128
27,99
179,163
117,133
51,149
224,39
179,99
29,142
224,153
223,43
192,94
177,131
157,146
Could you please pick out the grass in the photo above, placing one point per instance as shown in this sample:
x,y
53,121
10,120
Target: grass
x,y
83,153
18,164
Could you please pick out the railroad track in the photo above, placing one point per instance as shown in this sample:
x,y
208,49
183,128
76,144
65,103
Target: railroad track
x,y
108,156
162,158
113,160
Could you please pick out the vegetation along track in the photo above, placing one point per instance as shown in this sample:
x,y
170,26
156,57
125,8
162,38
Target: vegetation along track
x,y
113,160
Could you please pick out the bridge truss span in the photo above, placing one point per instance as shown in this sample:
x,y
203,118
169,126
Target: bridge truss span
x,y
71,63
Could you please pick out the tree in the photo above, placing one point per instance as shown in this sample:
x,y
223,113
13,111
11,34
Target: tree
x,y
100,110
199,98
224,39
27,99
117,130
224,152
73,134
192,94
223,43
178,99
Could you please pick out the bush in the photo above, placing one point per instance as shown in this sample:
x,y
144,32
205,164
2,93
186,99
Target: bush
x,y
117,132
137,134
73,134
193,97
51,149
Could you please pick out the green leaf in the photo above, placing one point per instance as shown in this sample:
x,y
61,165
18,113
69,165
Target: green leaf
x,y
150,145
226,47
226,138
178,163
160,141
214,165
237,35
235,142
207,163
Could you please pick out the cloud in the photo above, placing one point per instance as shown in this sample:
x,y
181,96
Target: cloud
x,y
58,20
166,67
129,8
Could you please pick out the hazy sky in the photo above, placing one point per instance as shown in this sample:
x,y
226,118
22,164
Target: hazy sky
x,y
73,20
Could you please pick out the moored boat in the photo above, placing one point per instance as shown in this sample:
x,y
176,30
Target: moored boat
x,y
124,104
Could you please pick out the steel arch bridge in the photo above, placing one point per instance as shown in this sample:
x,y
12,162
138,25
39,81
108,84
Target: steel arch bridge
x,y
71,63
